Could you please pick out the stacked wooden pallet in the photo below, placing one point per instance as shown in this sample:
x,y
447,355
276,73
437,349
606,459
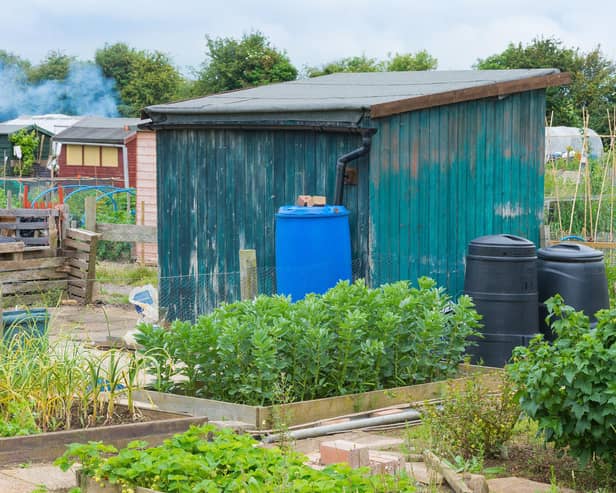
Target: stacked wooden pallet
x,y
25,281
34,227
79,248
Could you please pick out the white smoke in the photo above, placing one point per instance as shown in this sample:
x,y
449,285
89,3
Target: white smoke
x,y
85,91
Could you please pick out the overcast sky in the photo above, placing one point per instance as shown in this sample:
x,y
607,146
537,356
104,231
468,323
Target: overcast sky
x,y
311,31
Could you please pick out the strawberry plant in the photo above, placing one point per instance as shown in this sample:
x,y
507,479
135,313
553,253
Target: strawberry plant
x,y
348,340
569,386
208,459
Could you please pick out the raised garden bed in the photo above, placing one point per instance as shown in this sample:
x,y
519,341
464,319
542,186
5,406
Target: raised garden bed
x,y
48,446
299,413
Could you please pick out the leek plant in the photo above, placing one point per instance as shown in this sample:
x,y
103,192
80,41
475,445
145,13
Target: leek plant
x,y
48,386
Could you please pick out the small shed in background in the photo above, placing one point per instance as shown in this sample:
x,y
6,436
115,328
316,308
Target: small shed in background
x,y
6,146
96,147
454,155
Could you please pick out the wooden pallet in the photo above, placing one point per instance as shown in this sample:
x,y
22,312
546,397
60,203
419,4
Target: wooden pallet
x,y
79,248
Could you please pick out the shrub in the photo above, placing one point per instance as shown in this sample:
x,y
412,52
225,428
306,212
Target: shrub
x,y
351,339
569,386
473,422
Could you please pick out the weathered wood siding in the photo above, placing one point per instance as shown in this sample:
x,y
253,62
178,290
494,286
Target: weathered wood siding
x,y
146,191
218,192
442,176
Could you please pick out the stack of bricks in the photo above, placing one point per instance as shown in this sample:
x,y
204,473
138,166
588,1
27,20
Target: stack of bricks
x,y
358,455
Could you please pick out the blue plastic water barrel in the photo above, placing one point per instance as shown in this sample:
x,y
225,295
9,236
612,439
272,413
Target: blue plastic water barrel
x,y
313,249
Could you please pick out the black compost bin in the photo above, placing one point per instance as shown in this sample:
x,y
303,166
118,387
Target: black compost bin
x,y
577,273
501,277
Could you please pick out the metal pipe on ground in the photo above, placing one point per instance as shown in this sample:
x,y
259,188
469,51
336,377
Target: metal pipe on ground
x,y
410,415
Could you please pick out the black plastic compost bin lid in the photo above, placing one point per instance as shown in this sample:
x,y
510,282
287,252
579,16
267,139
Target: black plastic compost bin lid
x,y
501,246
570,252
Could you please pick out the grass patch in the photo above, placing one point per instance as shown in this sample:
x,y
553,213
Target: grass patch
x,y
126,274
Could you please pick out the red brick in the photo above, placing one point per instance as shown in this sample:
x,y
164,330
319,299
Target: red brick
x,y
338,451
385,463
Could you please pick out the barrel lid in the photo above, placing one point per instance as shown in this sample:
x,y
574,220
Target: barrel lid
x,y
296,211
570,252
503,244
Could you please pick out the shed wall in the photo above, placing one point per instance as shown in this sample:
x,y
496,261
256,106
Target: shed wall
x,y
442,176
146,191
218,191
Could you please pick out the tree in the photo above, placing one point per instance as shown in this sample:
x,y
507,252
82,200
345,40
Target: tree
x,y
8,59
28,143
593,79
350,64
153,80
421,60
55,66
249,62
142,77
116,62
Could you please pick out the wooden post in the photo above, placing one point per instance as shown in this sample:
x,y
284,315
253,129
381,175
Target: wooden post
x,y
90,209
248,274
91,269
53,235
9,199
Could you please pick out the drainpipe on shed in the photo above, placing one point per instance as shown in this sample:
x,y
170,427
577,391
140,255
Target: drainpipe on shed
x,y
345,158
126,177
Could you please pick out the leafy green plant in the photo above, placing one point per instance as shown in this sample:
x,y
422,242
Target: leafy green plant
x,y
471,422
209,459
348,340
28,142
569,386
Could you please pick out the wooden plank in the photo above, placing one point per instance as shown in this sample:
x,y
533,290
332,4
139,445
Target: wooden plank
x,y
49,446
80,234
248,274
194,406
17,246
40,241
435,463
469,94
127,232
24,226
91,271
31,275
79,274
53,236
32,286
76,263
32,263
90,213
77,291
75,254
77,245
29,212
77,282
309,411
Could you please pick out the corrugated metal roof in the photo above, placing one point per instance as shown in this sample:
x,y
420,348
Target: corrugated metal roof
x,y
53,123
99,130
8,129
336,97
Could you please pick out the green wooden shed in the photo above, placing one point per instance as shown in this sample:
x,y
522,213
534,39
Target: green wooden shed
x,y
454,155
6,147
